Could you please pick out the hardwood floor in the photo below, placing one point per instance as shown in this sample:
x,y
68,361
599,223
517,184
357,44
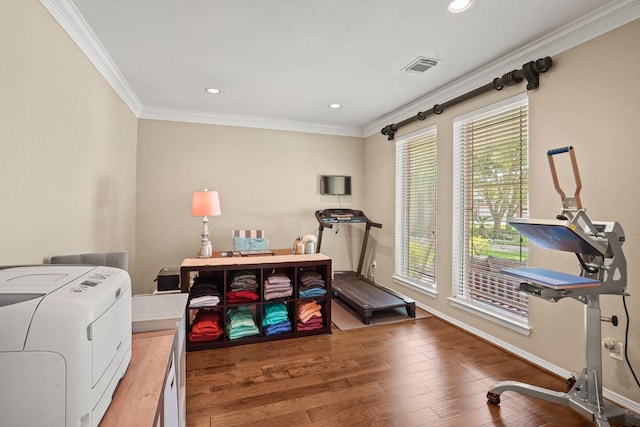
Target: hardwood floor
x,y
416,373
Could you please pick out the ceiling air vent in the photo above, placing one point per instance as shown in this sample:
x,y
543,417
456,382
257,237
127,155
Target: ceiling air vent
x,y
420,65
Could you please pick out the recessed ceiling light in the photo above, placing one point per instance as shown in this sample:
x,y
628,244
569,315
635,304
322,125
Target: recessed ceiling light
x,y
335,105
212,90
459,6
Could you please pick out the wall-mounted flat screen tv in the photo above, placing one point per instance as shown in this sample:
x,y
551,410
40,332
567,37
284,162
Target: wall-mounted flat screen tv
x,y
335,185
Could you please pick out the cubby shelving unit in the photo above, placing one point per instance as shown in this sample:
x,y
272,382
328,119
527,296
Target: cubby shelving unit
x,y
222,272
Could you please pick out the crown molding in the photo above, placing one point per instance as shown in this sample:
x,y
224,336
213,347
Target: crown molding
x,y
72,22
245,121
601,21
590,26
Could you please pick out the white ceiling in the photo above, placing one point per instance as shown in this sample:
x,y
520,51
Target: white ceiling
x,y
279,63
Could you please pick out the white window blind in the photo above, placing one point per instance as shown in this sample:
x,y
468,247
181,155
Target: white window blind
x,y
416,171
490,185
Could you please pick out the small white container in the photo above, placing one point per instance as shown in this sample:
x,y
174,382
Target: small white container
x,y
310,247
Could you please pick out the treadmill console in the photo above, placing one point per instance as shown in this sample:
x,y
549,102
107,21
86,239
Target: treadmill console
x,y
340,215
327,217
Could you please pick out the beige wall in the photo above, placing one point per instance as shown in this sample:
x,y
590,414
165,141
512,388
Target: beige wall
x,y
590,99
67,146
266,180
74,180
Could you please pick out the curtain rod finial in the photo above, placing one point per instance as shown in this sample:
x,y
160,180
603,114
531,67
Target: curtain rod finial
x,y
389,131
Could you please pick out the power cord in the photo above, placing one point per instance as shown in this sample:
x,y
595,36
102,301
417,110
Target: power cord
x,y
339,206
626,337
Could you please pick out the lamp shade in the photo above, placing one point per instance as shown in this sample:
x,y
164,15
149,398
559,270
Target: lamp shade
x,y
205,203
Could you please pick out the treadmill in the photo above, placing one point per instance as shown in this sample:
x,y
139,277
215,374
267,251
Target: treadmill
x,y
358,292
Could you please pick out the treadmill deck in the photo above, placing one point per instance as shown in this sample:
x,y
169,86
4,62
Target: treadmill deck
x,y
365,298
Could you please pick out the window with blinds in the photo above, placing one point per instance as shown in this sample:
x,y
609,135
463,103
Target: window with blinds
x,y
490,188
415,245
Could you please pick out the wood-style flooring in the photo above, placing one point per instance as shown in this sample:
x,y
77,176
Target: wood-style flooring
x,y
417,373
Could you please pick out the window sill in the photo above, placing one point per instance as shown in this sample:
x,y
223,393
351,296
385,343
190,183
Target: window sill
x,y
414,286
480,311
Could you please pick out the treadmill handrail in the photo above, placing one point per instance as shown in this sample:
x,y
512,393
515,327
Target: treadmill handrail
x,y
346,216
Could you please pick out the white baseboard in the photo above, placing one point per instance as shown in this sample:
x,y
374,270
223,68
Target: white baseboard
x,y
616,398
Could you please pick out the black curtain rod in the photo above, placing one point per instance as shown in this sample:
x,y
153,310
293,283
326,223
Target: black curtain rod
x,y
531,71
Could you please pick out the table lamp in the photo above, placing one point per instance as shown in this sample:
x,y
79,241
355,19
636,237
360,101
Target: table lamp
x,y
205,204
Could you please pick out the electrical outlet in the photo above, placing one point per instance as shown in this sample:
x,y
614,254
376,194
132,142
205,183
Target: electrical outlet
x,y
618,352
614,347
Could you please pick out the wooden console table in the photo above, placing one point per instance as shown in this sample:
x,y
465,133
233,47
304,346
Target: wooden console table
x,y
139,397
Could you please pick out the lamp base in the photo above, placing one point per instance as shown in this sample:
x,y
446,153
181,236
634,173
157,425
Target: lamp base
x,y
205,250
205,247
